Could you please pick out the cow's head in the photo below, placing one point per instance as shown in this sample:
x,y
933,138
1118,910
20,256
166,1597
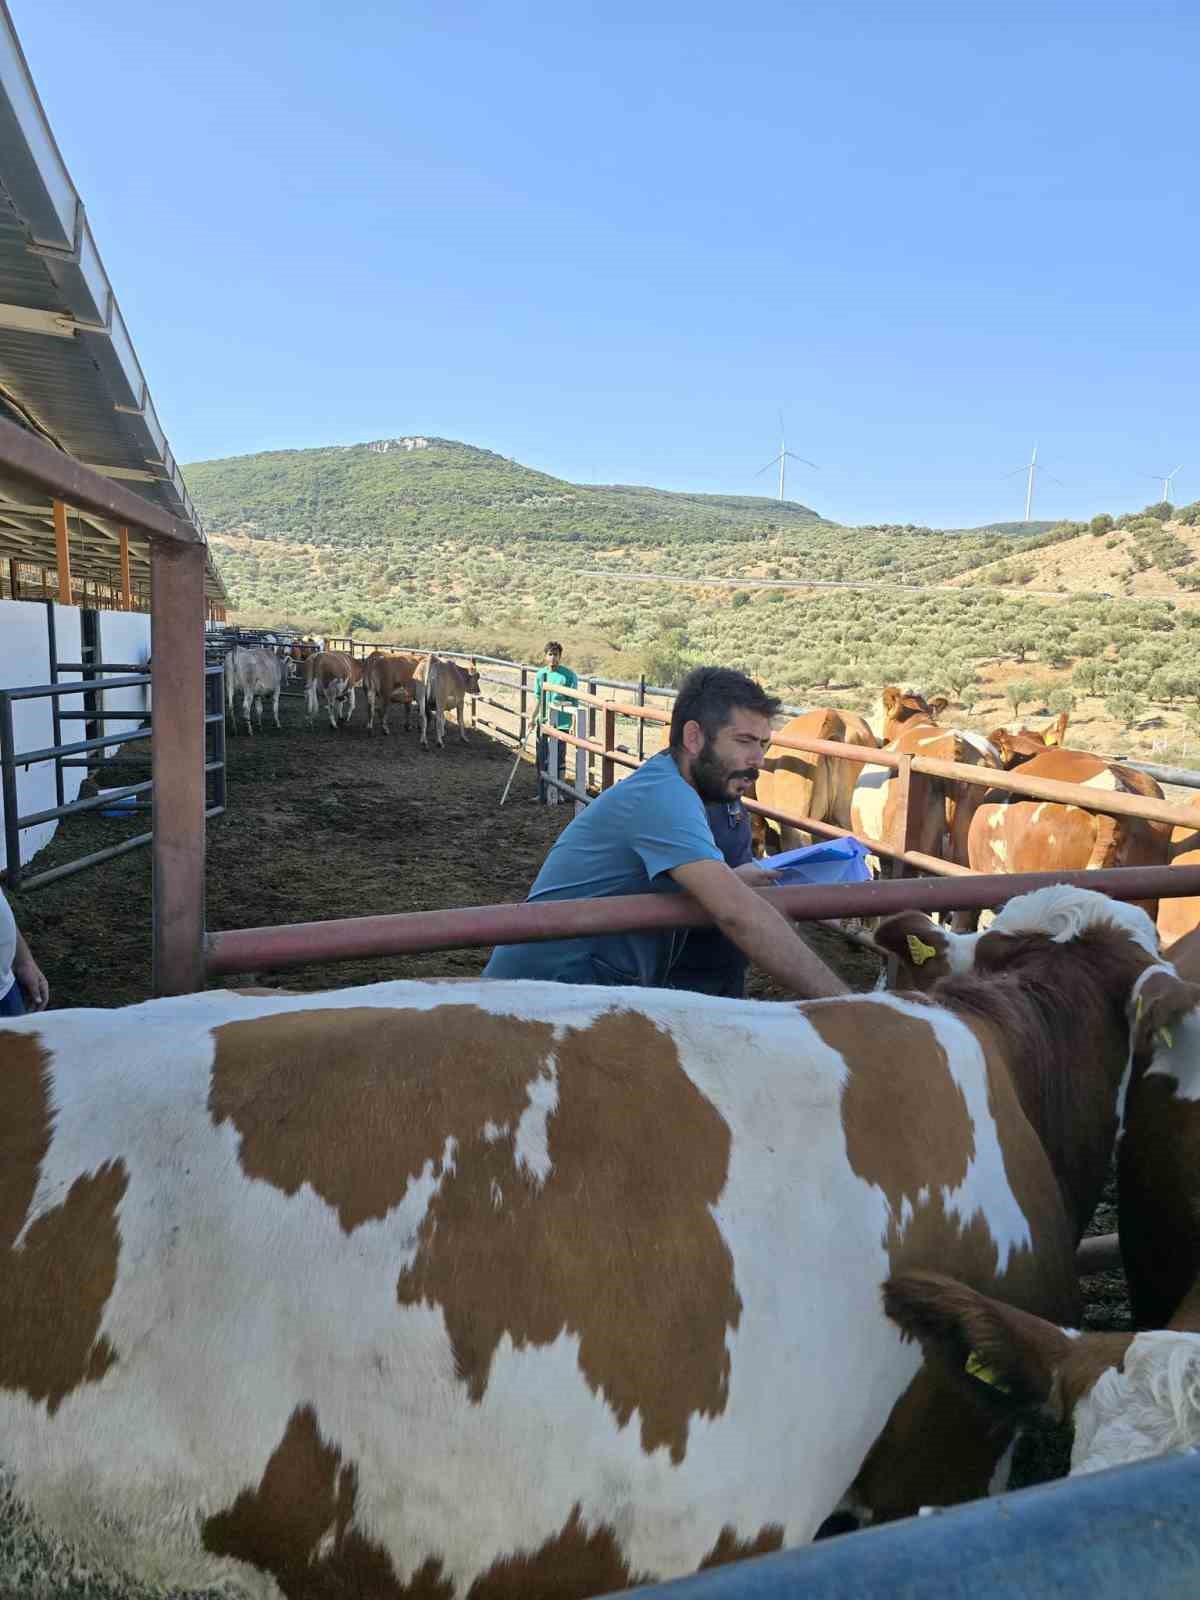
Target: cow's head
x,y
1016,748
1026,925
472,675
1130,1396
906,705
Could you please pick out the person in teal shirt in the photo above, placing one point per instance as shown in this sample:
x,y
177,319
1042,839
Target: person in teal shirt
x,y
650,834
556,710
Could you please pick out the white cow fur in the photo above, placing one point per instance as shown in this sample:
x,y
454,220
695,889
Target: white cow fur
x,y
235,1304
259,675
1147,1408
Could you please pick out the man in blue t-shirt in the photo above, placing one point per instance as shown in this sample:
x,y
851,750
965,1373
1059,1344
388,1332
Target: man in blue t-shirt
x,y
710,963
650,834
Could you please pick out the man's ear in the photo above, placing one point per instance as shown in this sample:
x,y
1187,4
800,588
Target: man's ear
x,y
1162,1000
693,737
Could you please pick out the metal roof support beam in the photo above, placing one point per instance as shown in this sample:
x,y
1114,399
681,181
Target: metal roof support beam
x,y
126,591
63,546
56,324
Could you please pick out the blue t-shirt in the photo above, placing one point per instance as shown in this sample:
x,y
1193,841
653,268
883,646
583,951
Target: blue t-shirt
x,y
626,842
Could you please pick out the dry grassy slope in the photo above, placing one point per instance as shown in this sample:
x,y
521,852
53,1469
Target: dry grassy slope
x,y
1091,563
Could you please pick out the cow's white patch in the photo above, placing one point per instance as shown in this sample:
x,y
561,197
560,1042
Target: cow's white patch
x,y
870,800
1107,779
1037,812
982,744
497,1196
532,1147
999,849
998,1483
1148,1409
985,1191
1062,913
493,1131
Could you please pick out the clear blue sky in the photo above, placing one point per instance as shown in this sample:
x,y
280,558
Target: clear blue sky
x,y
612,240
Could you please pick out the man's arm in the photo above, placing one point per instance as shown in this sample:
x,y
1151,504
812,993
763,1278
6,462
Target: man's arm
x,y
757,929
30,976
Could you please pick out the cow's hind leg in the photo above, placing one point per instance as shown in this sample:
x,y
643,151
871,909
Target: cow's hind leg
x,y
275,704
462,733
247,704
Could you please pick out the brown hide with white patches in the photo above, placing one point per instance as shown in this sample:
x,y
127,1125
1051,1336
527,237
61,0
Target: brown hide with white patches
x,y
1009,833
809,785
1049,1019
56,1273
944,806
548,1258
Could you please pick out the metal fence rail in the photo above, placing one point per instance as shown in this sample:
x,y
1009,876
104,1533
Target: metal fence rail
x,y
15,822
1131,1533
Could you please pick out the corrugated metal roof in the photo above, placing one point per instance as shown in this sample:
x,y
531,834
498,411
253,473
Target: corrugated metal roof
x,y
68,369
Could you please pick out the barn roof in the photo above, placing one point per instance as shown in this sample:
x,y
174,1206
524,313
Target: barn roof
x,y
68,370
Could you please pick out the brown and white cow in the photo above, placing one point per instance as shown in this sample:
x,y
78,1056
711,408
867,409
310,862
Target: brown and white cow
x,y
1011,833
442,686
1022,744
810,785
1129,1395
900,706
330,677
259,675
459,1318
945,806
389,678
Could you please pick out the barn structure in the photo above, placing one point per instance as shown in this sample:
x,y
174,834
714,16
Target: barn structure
x,y
75,564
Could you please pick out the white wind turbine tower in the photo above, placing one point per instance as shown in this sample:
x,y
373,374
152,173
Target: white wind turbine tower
x,y
1032,469
1165,478
781,460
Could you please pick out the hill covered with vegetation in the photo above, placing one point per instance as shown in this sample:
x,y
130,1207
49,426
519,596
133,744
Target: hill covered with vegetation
x,y
436,543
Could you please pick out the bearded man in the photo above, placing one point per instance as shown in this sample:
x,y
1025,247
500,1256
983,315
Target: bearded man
x,y
650,834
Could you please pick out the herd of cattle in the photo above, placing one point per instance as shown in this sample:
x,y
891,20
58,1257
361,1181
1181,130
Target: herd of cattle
x,y
971,825
469,1289
332,679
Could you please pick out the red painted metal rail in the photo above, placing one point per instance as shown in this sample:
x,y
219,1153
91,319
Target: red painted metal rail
x,y
297,944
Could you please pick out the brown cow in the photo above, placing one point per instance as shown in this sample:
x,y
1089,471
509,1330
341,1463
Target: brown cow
x,y
389,678
330,677
442,686
1022,744
899,706
809,785
1010,833
1180,914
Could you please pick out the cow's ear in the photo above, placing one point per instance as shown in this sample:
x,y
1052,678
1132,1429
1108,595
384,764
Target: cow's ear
x,y
891,698
1058,731
937,705
1003,741
980,1341
912,938
1162,1000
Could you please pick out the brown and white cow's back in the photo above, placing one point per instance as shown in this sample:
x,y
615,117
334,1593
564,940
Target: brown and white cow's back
x,y
330,679
810,785
462,1286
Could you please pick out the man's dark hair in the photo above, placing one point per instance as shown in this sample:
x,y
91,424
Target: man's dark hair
x,y
552,644
710,696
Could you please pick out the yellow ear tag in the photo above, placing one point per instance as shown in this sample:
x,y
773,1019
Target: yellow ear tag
x,y
919,951
976,1369
1165,1035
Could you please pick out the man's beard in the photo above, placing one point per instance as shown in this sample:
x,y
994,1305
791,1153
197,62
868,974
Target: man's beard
x,y
711,777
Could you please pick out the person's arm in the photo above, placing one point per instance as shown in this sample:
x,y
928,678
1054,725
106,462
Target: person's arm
x,y
30,976
758,930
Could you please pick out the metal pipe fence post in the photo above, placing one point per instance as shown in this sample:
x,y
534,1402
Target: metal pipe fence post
x,y
591,733
177,755
608,773
581,756
641,721
55,720
524,720
8,778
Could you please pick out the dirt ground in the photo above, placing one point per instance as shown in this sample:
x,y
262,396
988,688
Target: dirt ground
x,y
335,825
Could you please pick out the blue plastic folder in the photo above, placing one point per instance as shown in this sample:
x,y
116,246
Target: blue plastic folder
x,y
834,861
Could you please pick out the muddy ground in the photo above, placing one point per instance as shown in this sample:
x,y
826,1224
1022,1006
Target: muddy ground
x,y
337,825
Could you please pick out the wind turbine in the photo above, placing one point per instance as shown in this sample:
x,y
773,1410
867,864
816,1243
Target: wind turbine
x,y
781,460
1165,478
1032,469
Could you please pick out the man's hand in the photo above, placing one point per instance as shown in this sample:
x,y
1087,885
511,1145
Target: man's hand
x,y
33,983
755,874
